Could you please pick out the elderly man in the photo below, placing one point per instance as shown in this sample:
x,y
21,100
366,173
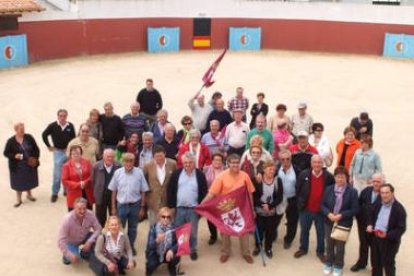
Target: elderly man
x,y
61,132
301,121
199,111
310,187
288,175
158,173
387,223
363,125
228,181
134,122
236,134
78,233
195,147
157,128
368,198
150,100
169,141
219,114
145,155
112,127
128,186
187,188
102,174
89,145
302,152
214,139
261,130
239,102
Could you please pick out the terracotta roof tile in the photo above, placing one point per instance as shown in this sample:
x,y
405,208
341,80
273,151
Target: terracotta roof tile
x,y
19,6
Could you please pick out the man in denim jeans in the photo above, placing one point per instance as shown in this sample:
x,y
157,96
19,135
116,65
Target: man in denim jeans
x,y
75,239
309,191
128,186
62,132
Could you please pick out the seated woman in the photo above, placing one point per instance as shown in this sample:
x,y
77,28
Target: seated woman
x,y
267,196
256,140
162,244
113,249
131,145
253,165
200,151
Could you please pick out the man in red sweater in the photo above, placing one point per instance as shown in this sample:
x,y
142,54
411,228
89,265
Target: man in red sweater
x,y
310,188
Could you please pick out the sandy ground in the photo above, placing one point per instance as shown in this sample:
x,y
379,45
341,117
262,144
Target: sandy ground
x,y
336,87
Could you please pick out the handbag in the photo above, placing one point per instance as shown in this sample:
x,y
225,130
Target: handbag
x,y
340,233
33,161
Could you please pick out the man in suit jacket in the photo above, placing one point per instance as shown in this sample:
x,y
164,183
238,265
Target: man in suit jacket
x,y
158,173
187,188
368,199
102,173
387,223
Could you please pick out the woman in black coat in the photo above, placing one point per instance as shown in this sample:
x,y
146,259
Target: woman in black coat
x,y
339,206
23,154
257,108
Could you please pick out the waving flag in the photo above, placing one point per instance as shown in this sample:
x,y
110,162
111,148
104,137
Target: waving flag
x,y
183,233
232,213
207,78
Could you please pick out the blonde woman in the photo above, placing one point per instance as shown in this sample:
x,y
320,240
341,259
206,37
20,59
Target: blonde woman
x,y
113,248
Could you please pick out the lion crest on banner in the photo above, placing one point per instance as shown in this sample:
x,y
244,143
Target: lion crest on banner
x,y
231,215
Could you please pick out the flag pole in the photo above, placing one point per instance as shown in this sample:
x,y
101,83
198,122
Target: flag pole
x,y
201,88
259,242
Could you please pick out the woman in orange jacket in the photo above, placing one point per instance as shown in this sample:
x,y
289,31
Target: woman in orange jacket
x,y
346,147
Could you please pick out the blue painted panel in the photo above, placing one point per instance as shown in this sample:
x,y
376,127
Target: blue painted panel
x,y
163,40
13,51
245,38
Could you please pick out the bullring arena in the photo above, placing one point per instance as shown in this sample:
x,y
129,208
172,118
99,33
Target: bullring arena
x,y
90,52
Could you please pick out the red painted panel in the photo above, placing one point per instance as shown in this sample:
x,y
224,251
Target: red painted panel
x,y
68,38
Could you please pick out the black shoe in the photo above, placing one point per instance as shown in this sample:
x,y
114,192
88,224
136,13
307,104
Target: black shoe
x,y
134,251
322,258
256,252
212,241
269,253
300,253
287,245
65,261
357,267
54,198
194,256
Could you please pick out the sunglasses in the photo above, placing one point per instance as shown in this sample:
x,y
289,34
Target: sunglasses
x,y
188,123
166,217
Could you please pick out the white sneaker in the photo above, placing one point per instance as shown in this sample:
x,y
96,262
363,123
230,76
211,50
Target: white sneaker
x,y
327,269
337,271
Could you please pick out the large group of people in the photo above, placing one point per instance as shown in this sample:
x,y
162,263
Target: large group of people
x,y
140,166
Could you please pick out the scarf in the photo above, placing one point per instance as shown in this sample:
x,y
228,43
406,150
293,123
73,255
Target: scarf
x,y
167,242
339,195
196,153
186,136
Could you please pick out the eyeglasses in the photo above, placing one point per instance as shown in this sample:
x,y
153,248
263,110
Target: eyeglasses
x,y
166,217
188,123
318,130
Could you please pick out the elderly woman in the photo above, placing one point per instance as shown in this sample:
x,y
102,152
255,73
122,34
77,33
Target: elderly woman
x,y
131,145
365,163
346,148
199,150
339,206
76,177
211,172
89,145
280,116
169,141
256,140
321,143
113,249
258,108
23,154
267,196
281,138
183,135
253,164
162,244
157,128
95,126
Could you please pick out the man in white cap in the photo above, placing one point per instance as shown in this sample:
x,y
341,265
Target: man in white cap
x,y
301,120
302,152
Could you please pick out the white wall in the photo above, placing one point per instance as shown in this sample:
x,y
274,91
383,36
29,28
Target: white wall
x,y
344,12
